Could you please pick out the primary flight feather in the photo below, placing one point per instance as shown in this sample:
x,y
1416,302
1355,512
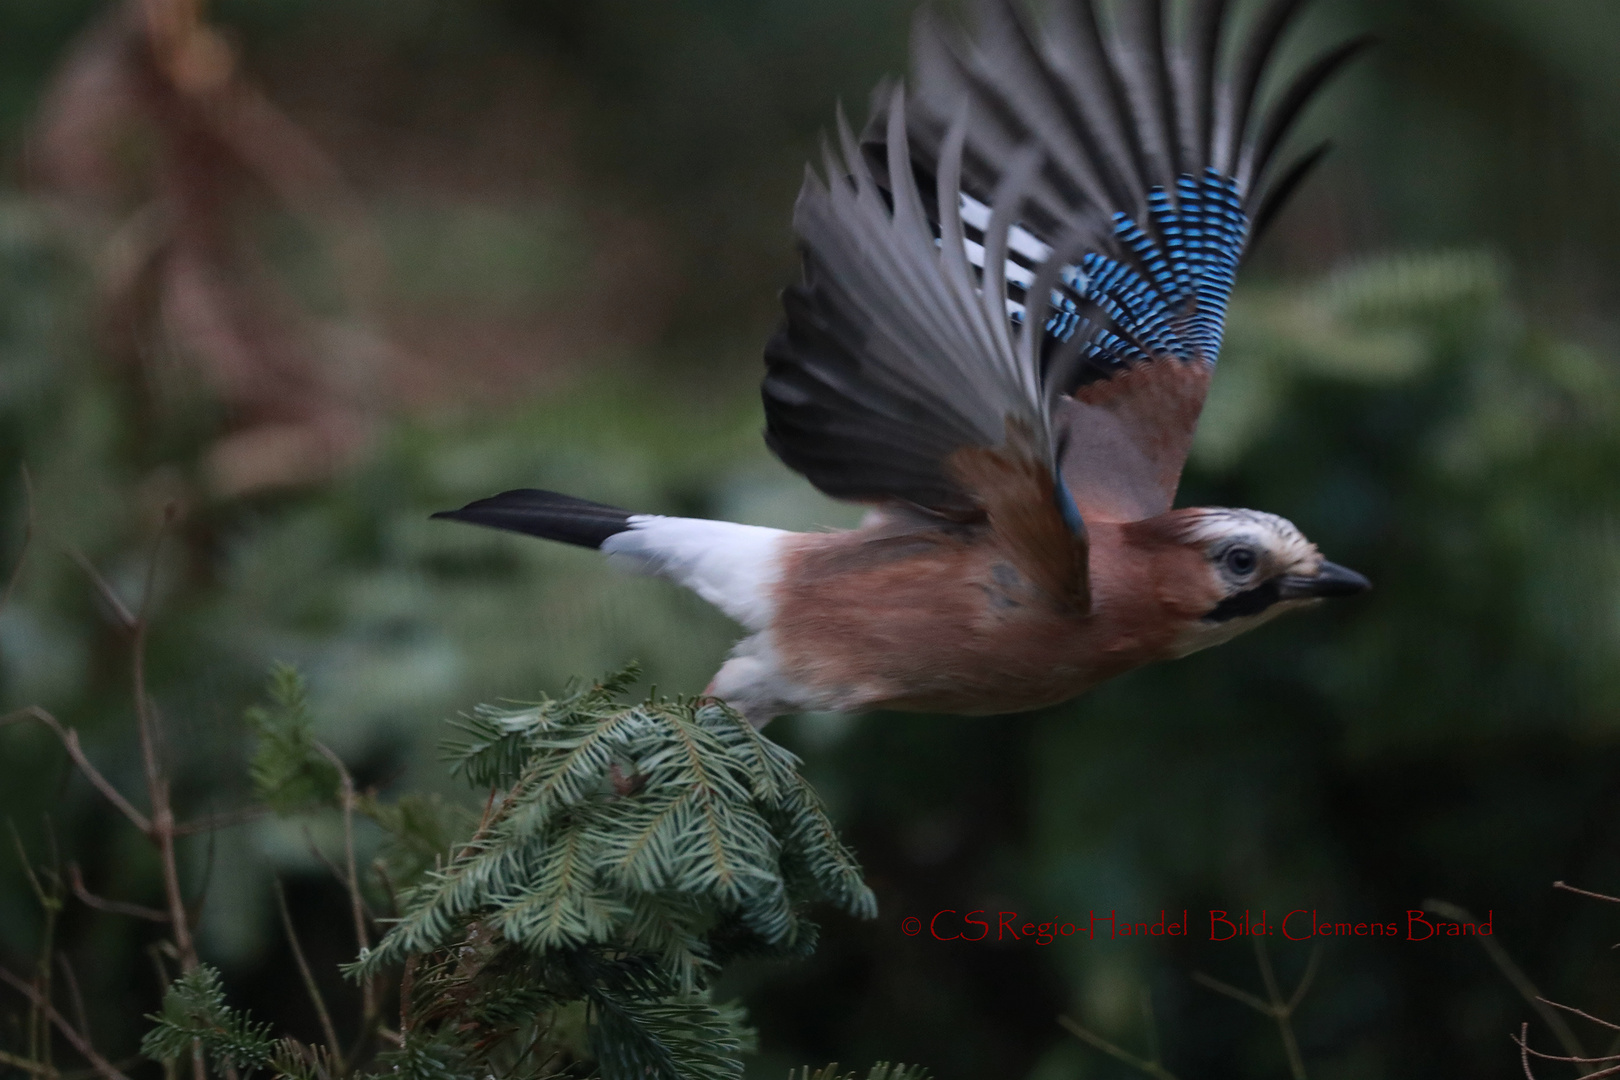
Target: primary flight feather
x,y
1013,294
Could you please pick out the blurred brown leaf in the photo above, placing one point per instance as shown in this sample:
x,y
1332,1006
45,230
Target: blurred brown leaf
x,y
161,152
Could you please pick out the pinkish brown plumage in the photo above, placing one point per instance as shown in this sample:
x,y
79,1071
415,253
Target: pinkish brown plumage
x,y
1022,467
940,621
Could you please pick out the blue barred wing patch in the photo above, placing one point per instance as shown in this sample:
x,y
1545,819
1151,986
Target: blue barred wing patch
x,y
1166,296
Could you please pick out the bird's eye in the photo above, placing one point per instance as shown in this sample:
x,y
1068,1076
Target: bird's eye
x,y
1241,561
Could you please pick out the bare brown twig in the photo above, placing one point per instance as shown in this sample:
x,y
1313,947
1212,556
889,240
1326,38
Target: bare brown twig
x,y
28,536
1515,976
79,1012
157,781
368,988
16,1062
158,824
1586,892
103,1067
111,907
214,822
70,742
310,987
49,899
1273,1005
1153,1067
1526,1053
1582,1014
125,618
321,857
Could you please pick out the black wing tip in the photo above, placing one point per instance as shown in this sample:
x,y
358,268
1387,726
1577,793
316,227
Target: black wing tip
x,y
1279,193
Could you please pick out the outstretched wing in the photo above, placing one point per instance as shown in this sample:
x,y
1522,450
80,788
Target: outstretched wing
x,y
1159,167
897,376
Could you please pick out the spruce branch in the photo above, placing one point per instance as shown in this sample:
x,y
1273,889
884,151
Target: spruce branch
x,y
635,847
419,830
670,1039
569,857
290,774
881,1071
296,1061
195,1013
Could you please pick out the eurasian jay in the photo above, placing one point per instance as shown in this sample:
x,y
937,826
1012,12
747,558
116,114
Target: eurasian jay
x,y
1021,547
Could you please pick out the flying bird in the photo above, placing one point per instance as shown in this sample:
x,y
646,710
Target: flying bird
x,y
1012,300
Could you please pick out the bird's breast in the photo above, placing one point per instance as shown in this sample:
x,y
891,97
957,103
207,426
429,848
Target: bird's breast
x,y
936,621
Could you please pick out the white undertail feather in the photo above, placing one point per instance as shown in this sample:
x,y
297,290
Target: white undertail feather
x,y
734,567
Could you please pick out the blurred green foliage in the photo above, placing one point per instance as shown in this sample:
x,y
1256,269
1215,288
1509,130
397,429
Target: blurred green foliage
x,y
595,197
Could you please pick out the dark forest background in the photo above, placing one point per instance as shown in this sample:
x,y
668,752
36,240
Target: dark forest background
x,y
310,270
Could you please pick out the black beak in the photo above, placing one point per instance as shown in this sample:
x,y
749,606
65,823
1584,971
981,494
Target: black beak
x,y
1331,580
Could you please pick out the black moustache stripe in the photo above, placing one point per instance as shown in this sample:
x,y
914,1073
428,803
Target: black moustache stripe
x,y
1248,602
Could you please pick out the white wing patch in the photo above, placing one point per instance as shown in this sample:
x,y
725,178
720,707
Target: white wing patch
x,y
1020,241
734,567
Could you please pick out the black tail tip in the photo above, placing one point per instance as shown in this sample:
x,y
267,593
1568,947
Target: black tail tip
x,y
546,514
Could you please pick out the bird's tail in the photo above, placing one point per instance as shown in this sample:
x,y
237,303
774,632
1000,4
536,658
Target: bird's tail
x,y
545,514
732,566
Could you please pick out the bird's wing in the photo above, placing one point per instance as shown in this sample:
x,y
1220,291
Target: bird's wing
x,y
1158,171
898,377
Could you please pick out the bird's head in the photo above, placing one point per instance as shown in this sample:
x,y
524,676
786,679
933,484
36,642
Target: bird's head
x,y
1255,566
